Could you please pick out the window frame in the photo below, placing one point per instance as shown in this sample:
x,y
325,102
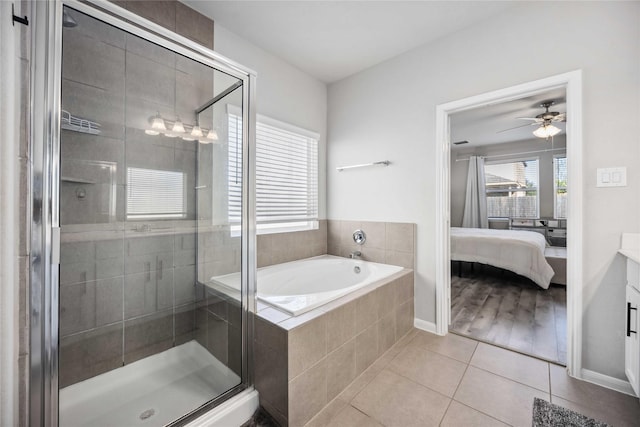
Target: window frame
x,y
526,189
288,226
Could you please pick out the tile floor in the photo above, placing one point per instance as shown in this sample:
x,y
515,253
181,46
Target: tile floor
x,y
428,380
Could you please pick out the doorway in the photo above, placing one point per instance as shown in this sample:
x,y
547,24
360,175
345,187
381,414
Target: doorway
x,y
571,83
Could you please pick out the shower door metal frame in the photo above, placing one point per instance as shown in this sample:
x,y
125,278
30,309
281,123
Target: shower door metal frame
x,y
45,180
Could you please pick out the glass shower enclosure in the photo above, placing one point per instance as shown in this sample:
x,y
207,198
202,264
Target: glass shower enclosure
x,y
145,193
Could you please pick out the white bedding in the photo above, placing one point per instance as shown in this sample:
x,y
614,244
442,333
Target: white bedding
x,y
519,251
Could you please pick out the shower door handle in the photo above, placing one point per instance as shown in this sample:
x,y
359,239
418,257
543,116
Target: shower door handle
x,y
629,308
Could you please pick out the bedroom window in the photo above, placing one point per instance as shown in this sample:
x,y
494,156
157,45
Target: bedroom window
x,y
512,189
560,187
286,176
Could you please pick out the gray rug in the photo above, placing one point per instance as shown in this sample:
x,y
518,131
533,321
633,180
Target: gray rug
x,y
547,414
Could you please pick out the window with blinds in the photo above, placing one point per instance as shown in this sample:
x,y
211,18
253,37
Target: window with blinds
x,y
560,187
155,194
512,189
286,175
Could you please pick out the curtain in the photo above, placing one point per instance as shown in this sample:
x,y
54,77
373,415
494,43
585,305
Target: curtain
x,y
475,204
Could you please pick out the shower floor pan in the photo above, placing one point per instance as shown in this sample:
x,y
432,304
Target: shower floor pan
x,y
150,392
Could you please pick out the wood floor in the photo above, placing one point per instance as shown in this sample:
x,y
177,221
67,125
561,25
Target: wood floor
x,y
502,308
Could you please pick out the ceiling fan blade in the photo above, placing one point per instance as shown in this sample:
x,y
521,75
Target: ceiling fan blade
x,y
517,127
529,118
562,117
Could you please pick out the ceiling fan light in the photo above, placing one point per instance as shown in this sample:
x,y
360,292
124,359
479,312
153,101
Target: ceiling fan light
x,y
546,131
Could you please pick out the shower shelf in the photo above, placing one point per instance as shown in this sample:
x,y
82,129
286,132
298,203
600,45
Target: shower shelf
x,y
77,124
76,180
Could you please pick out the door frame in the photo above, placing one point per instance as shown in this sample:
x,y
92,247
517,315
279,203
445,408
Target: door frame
x,y
572,83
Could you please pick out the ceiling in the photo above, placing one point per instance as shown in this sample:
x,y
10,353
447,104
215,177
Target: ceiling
x,y
331,40
480,126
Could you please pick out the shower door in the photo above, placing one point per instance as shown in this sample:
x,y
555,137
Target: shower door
x,y
151,205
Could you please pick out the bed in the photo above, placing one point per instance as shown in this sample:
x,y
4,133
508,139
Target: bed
x,y
519,251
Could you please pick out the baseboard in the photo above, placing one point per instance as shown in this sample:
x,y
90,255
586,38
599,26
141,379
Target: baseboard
x,y
425,326
606,381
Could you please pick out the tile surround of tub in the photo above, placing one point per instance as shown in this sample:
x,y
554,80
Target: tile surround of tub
x,y
387,242
278,248
304,362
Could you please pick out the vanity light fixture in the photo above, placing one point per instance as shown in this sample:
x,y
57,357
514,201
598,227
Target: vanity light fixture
x,y
174,129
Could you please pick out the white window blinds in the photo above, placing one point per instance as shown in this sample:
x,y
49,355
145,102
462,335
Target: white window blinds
x,y
560,187
153,193
286,173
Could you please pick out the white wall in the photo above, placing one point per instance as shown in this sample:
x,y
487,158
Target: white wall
x,y
458,170
388,112
283,92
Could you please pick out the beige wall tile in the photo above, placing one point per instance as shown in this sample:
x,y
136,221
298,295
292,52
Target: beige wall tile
x,y
271,376
334,228
194,25
346,232
341,325
403,259
308,394
400,237
271,335
366,348
404,290
366,311
386,298
307,345
341,368
386,332
404,318
376,234
373,255
161,12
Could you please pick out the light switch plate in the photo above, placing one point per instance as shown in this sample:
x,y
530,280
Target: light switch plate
x,y
612,177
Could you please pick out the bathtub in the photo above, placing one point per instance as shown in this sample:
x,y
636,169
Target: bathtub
x,y
300,286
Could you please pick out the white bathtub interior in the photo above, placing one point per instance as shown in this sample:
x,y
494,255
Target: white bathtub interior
x,y
150,392
297,287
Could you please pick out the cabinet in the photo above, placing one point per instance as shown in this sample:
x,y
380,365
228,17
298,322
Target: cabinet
x,y
632,329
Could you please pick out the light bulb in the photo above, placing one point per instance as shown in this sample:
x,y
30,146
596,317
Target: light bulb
x,y
196,132
178,127
157,126
212,135
546,131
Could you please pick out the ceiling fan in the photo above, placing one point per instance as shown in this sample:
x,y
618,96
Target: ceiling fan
x,y
545,122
